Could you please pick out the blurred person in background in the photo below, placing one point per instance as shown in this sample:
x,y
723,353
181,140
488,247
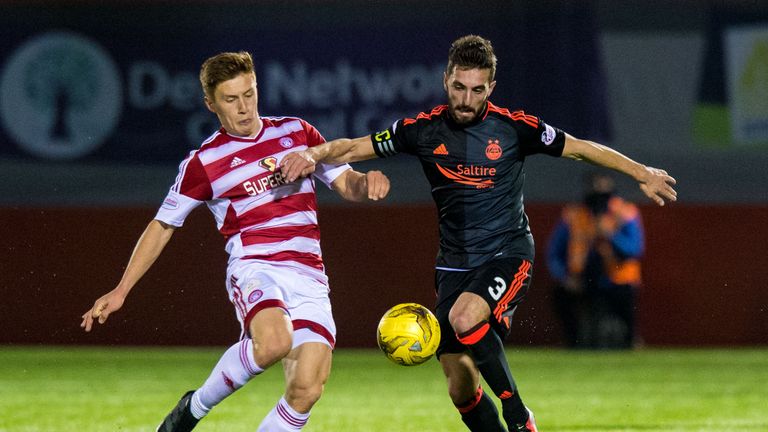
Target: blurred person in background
x,y
472,153
275,277
594,256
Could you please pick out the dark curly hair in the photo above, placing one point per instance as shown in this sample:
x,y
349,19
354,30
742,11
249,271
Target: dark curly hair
x,y
472,52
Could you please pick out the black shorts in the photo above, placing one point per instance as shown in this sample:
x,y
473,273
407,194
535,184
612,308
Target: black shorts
x,y
502,283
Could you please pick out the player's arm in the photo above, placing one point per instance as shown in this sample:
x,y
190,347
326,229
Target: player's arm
x,y
148,248
338,151
356,186
655,183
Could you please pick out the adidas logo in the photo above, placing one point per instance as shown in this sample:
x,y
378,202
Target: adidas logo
x,y
236,161
441,150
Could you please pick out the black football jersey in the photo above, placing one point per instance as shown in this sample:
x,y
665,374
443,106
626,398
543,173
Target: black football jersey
x,y
476,173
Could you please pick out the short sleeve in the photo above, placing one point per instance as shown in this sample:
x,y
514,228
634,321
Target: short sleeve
x,y
328,173
539,137
190,189
314,137
401,137
175,209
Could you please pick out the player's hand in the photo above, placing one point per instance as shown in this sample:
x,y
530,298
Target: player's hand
x,y
296,165
657,185
377,184
102,308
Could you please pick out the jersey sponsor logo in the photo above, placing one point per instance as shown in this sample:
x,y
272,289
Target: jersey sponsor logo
x,y
472,175
440,150
493,150
263,184
236,161
286,142
548,136
269,163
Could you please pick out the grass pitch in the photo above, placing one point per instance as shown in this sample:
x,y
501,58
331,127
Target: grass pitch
x,y
128,389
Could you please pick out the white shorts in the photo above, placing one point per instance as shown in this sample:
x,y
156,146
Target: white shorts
x,y
254,285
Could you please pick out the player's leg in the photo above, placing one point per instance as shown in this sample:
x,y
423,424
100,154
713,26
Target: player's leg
x,y
258,295
271,340
479,316
477,410
306,368
308,365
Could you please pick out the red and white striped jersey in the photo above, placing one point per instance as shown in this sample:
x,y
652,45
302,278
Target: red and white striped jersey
x,y
261,216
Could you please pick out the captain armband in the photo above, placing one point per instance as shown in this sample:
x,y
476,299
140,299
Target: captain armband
x,y
382,143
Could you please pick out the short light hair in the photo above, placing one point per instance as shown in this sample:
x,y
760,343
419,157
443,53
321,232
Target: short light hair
x,y
472,52
223,67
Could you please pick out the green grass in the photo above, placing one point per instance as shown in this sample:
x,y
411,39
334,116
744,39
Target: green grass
x,y
127,389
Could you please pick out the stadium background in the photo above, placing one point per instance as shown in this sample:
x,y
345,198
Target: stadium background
x,y
99,102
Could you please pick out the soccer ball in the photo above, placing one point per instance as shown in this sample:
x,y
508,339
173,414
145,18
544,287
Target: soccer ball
x,y
408,334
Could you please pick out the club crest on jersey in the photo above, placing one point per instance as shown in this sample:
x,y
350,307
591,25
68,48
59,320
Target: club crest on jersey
x,y
286,142
269,163
493,150
255,295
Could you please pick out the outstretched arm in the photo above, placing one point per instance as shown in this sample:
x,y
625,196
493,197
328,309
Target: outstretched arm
x,y
148,248
356,186
655,183
342,150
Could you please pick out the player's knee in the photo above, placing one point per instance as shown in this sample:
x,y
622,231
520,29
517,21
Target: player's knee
x,y
303,396
271,350
462,320
467,312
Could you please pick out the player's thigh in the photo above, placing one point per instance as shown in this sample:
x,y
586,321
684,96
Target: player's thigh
x,y
462,375
307,368
468,311
272,333
502,284
271,325
449,287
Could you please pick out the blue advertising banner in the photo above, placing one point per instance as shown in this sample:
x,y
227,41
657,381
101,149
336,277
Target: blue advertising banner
x,y
118,83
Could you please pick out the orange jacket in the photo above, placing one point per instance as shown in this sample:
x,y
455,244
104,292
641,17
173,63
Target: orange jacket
x,y
617,236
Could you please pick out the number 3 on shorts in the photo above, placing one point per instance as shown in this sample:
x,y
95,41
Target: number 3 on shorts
x,y
497,291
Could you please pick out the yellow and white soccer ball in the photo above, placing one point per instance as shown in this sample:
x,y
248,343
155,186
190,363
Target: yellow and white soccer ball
x,y
408,334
